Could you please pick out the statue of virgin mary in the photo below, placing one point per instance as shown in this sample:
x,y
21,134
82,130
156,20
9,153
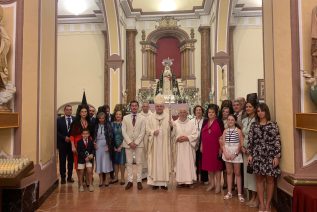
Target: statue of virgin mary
x,y
168,85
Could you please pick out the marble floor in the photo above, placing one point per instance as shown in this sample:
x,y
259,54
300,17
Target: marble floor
x,y
114,198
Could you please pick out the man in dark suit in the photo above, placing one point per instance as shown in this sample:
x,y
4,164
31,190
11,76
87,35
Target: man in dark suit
x,y
92,113
106,109
64,145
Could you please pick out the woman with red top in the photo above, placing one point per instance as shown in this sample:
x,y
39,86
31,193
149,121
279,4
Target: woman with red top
x,y
210,147
81,122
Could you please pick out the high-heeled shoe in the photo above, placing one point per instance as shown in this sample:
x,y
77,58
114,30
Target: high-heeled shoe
x,y
241,198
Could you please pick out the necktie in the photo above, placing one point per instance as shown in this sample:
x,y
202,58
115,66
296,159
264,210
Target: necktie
x,y
86,143
133,120
68,123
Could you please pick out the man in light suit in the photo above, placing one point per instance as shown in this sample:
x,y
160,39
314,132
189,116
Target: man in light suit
x,y
64,145
133,131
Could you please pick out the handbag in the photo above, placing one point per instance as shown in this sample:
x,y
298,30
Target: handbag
x,y
249,169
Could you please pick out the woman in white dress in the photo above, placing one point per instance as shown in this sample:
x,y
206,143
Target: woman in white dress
x,y
232,140
249,179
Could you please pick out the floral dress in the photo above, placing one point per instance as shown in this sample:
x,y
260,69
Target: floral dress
x,y
264,145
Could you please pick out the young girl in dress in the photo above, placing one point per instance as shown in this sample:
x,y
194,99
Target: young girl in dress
x,y
232,141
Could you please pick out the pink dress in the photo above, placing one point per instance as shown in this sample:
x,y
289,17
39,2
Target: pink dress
x,y
210,147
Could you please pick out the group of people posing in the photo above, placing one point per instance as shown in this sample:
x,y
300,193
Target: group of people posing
x,y
187,151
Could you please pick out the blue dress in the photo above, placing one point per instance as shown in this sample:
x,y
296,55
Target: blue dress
x,y
103,159
119,157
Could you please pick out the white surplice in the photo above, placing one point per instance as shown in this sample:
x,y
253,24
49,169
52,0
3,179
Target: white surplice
x,y
159,149
185,151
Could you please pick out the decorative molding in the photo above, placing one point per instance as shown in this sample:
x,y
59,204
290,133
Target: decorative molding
x,y
300,181
246,22
96,17
83,27
114,62
239,10
221,59
176,32
139,15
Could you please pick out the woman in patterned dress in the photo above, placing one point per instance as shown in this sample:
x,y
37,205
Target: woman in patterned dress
x,y
264,149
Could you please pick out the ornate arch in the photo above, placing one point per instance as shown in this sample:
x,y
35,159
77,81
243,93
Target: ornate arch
x,y
176,32
168,27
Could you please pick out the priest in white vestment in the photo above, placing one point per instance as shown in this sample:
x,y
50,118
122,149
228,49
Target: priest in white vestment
x,y
146,114
159,145
185,140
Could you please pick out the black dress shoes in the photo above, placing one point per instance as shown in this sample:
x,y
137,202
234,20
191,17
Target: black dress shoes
x,y
129,185
63,181
140,186
70,180
155,187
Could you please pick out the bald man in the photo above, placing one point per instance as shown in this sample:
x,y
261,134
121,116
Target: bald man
x,y
185,139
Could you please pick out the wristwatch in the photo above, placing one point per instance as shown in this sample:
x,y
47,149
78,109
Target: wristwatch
x,y
236,154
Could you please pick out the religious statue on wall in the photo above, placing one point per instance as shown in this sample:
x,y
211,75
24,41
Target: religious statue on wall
x,y
7,89
167,84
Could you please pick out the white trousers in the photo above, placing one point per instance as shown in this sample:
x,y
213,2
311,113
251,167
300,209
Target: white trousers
x,y
139,161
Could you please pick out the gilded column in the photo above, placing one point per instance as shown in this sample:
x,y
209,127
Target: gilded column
x,y
182,65
131,64
144,65
205,62
152,65
186,64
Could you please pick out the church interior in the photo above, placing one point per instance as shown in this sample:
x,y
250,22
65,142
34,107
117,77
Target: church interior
x,y
116,51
